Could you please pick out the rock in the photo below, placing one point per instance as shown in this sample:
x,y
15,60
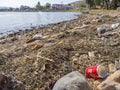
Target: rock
x,y
38,36
85,12
103,28
108,34
104,16
3,41
111,83
97,20
114,26
118,9
114,77
72,81
96,82
117,64
83,26
10,83
58,35
74,58
34,45
112,68
91,54
83,57
106,85
77,54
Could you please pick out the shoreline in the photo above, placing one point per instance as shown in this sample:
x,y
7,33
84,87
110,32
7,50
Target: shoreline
x,y
39,57
35,27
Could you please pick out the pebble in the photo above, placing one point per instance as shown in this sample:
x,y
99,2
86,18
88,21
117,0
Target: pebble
x,y
112,68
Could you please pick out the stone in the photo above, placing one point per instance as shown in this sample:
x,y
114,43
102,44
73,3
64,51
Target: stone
x,y
38,36
106,85
83,26
85,12
96,82
34,45
114,26
118,9
112,68
103,28
97,20
117,64
114,77
108,34
104,16
3,41
72,81
111,83
91,54
10,83
83,57
77,54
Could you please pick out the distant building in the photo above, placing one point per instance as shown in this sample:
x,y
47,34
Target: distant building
x,y
57,7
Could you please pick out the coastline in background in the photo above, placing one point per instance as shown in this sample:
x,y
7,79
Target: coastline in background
x,y
14,21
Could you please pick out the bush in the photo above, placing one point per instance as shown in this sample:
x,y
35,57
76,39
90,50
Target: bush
x,y
82,6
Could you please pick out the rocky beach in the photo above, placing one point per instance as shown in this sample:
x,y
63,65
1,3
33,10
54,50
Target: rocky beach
x,y
39,57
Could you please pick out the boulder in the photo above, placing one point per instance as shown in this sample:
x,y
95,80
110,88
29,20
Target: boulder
x,y
72,81
114,77
111,83
118,9
10,83
106,85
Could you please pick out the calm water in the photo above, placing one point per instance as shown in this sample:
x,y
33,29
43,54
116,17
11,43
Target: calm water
x,y
13,21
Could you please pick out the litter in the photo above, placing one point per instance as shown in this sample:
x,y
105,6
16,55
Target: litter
x,y
96,72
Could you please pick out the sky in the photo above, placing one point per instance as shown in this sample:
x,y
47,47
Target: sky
x,y
32,3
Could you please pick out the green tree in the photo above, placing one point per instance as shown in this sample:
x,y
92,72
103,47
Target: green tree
x,y
90,3
48,6
107,4
38,6
114,4
81,6
97,2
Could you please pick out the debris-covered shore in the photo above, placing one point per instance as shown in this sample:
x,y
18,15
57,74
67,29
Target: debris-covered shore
x,y
41,56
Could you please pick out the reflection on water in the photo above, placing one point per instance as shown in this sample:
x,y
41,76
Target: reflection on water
x,y
12,21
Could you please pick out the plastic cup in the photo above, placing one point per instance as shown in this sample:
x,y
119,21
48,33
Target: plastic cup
x,y
96,72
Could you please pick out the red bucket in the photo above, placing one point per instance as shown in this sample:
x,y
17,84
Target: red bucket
x,y
96,72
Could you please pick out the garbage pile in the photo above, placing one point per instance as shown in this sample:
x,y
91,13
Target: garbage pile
x,y
41,57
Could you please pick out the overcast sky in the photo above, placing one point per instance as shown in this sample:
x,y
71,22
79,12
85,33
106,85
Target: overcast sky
x,y
32,3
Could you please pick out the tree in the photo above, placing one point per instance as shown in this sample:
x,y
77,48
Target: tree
x,y
81,6
38,6
114,4
97,2
90,3
48,5
107,4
